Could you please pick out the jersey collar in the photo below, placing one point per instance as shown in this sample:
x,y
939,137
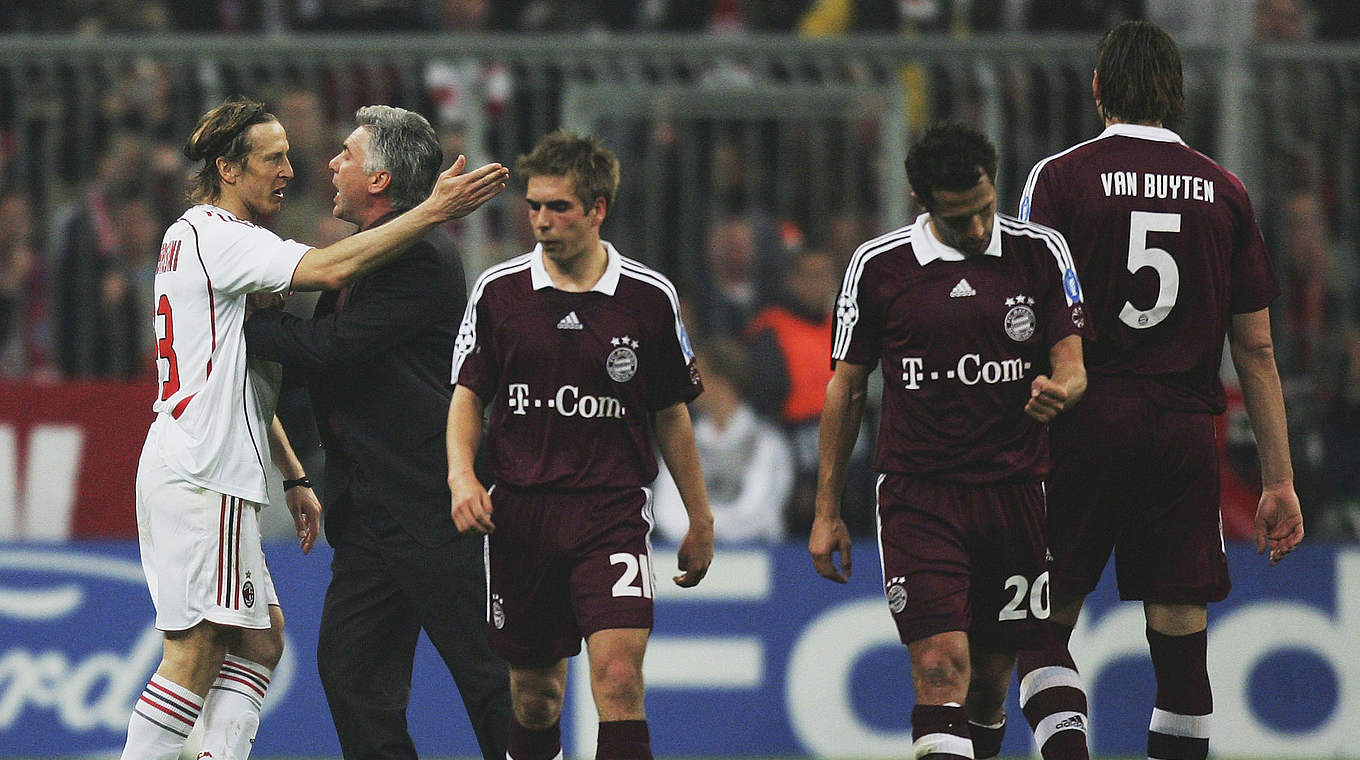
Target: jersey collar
x,y
607,284
928,248
1142,131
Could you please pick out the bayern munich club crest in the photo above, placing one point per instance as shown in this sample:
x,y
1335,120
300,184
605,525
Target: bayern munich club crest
x,y
897,594
1020,321
622,363
497,612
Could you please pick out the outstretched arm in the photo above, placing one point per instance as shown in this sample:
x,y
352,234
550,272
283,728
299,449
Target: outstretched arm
x,y
841,416
675,438
1279,520
455,195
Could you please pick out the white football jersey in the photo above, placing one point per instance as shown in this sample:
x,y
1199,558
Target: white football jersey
x,y
213,405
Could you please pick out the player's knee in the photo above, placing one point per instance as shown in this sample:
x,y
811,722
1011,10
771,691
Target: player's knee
x,y
537,706
940,669
266,647
271,650
618,683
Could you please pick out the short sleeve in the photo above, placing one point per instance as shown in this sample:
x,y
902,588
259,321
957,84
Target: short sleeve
x,y
858,334
677,378
475,362
1063,311
243,258
1253,280
1037,203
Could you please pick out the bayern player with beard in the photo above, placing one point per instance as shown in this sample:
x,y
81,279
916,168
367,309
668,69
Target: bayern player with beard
x,y
202,475
976,320
1172,261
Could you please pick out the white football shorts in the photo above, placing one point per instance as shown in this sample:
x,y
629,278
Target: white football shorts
x,y
200,551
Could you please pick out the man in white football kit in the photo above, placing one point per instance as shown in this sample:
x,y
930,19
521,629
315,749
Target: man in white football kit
x,y
202,475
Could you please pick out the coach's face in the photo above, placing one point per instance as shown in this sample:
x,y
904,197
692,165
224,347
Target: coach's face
x,y
258,182
963,220
565,228
352,184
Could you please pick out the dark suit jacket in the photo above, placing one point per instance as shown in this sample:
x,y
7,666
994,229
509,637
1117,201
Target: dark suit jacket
x,y
378,371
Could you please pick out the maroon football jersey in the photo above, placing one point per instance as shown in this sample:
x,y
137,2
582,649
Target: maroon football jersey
x,y
960,339
1168,249
572,378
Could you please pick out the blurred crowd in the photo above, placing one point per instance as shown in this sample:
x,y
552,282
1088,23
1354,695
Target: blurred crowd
x,y
1193,19
76,262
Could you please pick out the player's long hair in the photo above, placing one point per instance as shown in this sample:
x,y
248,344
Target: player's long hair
x,y
404,144
222,133
1139,71
593,168
951,157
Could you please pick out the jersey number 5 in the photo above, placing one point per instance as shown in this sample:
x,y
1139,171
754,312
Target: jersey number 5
x,y
165,349
1140,256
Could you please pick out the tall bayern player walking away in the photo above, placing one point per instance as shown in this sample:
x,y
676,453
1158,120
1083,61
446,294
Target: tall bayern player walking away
x,y
585,363
201,477
1172,260
976,320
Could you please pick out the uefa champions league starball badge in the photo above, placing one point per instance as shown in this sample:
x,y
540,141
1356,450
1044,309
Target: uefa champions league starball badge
x,y
622,363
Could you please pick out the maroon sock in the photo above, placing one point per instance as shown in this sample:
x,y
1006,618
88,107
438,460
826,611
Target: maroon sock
x,y
1052,698
940,732
534,744
623,740
986,739
1179,729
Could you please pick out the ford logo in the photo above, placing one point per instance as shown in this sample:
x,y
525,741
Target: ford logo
x,y
77,645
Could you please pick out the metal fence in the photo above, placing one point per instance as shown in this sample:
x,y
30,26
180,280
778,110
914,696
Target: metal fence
x,y
801,139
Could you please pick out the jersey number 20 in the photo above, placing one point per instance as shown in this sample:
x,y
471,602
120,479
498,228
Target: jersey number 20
x,y
165,349
1141,256
1036,594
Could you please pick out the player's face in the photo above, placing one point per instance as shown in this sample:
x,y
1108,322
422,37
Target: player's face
x,y
566,229
265,173
351,181
963,220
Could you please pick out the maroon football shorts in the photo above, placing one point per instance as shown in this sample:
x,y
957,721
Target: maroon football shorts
x,y
565,564
964,557
1141,481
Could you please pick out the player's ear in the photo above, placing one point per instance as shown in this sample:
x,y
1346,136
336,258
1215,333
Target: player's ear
x,y
1095,85
227,170
379,181
918,201
599,210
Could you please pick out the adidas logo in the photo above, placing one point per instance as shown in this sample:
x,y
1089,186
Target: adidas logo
x,y
570,322
962,290
1073,722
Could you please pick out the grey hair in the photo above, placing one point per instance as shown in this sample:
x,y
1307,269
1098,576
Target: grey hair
x,y
403,143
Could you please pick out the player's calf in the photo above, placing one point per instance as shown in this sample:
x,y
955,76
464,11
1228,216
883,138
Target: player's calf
x,y
1053,700
1179,729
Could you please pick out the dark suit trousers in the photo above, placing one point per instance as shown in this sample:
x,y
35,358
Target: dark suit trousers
x,y
385,587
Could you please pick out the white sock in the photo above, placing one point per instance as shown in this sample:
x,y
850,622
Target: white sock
x,y
232,712
161,721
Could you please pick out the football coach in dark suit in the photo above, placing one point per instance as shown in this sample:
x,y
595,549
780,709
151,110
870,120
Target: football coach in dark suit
x,y
375,357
